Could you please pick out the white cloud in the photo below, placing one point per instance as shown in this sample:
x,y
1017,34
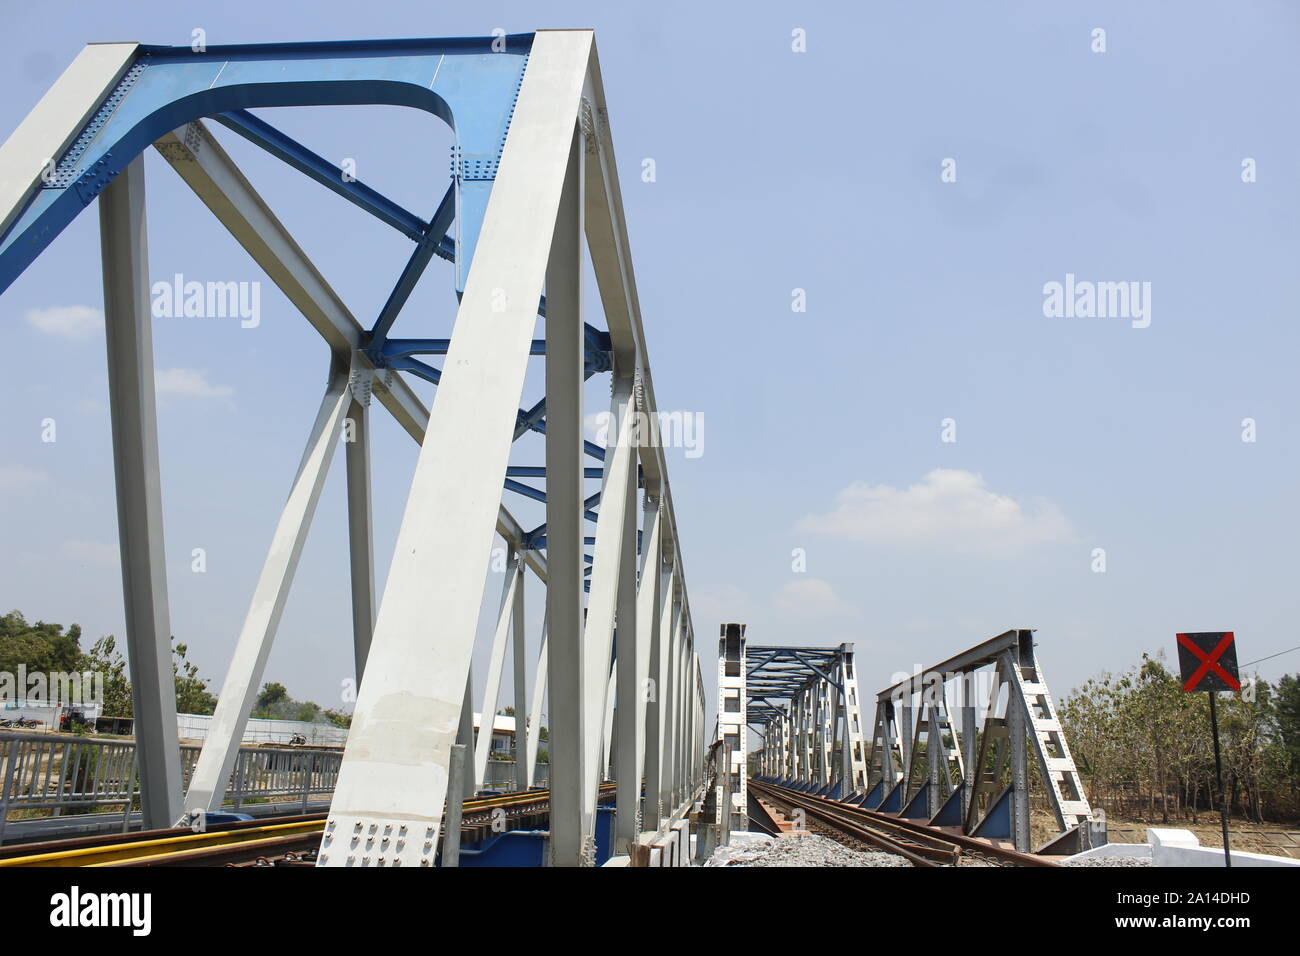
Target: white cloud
x,y
189,383
75,322
92,552
16,478
950,509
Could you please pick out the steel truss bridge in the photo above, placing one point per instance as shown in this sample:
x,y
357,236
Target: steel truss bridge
x,y
949,746
533,182
632,768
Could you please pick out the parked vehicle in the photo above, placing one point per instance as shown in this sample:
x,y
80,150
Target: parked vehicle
x,y
72,719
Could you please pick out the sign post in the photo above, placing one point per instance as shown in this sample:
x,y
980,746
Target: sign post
x,y
1207,661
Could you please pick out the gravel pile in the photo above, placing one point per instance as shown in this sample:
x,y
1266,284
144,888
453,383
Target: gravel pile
x,y
1108,861
801,850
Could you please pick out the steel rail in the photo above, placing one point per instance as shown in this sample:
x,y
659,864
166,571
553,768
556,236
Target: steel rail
x,y
187,840
137,836
916,852
233,854
899,827
238,841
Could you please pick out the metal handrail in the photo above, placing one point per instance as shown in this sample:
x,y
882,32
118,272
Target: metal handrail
x,y
42,771
52,772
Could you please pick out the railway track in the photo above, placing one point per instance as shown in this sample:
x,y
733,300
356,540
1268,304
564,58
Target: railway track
x,y
921,845
280,841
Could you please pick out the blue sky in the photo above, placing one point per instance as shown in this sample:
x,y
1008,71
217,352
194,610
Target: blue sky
x,y
776,171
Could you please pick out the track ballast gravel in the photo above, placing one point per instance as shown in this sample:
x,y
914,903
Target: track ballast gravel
x,y
800,850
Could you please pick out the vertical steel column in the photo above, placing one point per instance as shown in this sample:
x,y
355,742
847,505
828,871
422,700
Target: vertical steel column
x,y
681,693
455,806
628,638
1017,724
128,331
609,556
836,699
607,732
908,729
465,737
969,735
796,739
656,711
936,753
361,548
787,753
695,741
564,495
855,748
522,773
822,728
629,759
535,709
668,763
805,736
496,664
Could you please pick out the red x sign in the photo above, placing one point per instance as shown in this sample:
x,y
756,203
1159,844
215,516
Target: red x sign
x,y
1208,661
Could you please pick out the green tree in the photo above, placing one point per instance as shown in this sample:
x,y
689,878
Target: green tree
x,y
192,695
1287,711
104,659
1144,746
337,718
40,647
271,696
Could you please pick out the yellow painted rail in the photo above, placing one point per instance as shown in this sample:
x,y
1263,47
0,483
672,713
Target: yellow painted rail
x,y
141,849
182,843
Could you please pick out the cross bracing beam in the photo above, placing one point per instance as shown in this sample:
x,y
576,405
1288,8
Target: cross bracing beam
x,y
258,131
500,237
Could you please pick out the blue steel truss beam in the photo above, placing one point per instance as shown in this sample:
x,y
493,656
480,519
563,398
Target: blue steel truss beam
x,y
598,356
539,471
528,491
429,244
472,89
288,150
530,420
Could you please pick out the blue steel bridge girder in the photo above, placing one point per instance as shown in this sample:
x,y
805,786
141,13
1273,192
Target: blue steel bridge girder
x,y
464,83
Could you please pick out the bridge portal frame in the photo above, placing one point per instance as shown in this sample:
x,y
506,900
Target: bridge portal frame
x,y
533,176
